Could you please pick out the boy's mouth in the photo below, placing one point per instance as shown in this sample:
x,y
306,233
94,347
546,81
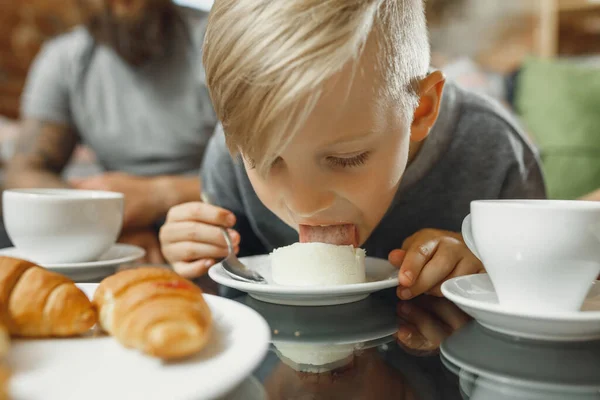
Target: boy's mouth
x,y
340,235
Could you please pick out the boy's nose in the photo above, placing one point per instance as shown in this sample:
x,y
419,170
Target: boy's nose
x,y
306,200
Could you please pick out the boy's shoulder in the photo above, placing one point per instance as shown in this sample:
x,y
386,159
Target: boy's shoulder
x,y
484,121
479,131
476,149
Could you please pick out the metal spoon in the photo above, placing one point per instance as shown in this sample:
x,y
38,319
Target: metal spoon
x,y
231,264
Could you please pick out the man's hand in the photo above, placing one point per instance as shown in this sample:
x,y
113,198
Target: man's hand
x,y
142,196
430,257
146,239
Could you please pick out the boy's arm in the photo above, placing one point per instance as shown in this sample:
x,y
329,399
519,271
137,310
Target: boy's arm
x,y
220,182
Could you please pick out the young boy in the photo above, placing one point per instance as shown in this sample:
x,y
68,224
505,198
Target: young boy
x,y
340,132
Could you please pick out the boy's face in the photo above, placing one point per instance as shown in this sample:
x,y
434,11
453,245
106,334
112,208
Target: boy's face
x,y
345,165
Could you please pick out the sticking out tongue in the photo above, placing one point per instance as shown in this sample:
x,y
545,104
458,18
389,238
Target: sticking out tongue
x,y
341,235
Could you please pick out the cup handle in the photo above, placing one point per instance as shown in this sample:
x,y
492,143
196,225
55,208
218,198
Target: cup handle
x,y
467,234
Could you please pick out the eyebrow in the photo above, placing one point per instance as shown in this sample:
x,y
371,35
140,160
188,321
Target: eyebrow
x,y
360,137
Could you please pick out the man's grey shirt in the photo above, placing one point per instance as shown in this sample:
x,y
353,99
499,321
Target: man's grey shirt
x,y
150,120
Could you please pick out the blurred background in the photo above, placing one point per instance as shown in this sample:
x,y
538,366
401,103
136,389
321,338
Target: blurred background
x,y
540,58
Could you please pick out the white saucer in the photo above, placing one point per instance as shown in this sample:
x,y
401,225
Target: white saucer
x,y
380,275
91,368
116,255
476,296
94,270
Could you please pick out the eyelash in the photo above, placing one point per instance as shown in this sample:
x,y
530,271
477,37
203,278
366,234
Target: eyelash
x,y
351,162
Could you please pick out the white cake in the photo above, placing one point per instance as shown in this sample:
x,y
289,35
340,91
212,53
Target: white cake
x,y
317,264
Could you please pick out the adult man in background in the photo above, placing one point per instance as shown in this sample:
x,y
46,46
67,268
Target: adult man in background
x,y
129,84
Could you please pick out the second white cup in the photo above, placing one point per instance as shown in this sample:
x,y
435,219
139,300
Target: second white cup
x,y
541,255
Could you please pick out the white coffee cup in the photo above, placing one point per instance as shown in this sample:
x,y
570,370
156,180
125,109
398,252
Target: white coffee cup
x,y
541,255
51,226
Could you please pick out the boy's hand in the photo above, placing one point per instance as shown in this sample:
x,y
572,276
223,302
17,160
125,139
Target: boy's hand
x,y
430,257
427,322
191,240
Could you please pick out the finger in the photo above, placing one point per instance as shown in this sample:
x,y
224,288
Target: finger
x,y
91,184
76,182
415,259
445,311
193,269
201,212
191,231
81,184
431,328
192,251
410,338
466,266
155,255
396,257
445,259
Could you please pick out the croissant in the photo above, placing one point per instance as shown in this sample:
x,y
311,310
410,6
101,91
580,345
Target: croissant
x,y
4,371
4,340
36,302
154,310
4,377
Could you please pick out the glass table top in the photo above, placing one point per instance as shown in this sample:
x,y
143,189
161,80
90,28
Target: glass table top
x,y
427,348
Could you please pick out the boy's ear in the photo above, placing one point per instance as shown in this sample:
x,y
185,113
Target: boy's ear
x,y
430,98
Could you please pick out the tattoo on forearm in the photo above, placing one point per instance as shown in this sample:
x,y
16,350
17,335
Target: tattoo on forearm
x,y
45,145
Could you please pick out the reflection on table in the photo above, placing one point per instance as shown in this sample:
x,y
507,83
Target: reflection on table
x,y
353,351
491,366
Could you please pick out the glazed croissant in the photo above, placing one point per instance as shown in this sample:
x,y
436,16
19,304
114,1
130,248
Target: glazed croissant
x,y
154,310
38,303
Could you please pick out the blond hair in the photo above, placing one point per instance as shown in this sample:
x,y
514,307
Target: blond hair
x,y
266,61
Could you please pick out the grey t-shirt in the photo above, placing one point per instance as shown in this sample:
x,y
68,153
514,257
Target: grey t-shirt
x,y
152,120
474,151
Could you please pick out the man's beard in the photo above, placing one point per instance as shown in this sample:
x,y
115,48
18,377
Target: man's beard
x,y
139,40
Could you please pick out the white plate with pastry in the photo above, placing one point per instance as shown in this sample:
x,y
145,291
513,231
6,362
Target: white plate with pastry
x,y
164,340
378,274
117,255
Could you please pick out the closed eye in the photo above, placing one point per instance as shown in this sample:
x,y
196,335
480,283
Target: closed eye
x,y
348,162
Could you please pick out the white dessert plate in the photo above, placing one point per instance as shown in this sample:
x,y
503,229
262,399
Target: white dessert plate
x,y
476,296
100,368
380,275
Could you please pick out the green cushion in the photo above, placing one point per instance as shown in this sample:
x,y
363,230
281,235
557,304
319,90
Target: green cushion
x,y
559,103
